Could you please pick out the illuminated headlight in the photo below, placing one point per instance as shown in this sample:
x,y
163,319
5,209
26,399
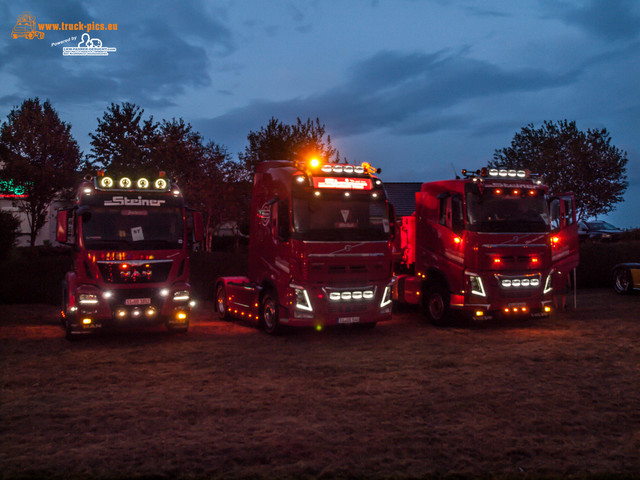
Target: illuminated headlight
x,y
348,169
106,182
337,168
107,294
356,295
326,168
125,182
358,169
515,282
525,282
502,172
160,184
547,284
87,299
335,296
386,297
164,292
302,301
493,172
506,283
181,295
475,282
367,294
143,183
535,282
345,295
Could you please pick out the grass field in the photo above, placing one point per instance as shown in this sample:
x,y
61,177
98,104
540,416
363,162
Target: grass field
x,y
520,399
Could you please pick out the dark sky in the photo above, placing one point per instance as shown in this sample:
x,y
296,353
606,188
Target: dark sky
x,y
416,87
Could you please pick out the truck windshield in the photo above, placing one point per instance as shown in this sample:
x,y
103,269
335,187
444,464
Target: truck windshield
x,y
132,228
334,217
498,211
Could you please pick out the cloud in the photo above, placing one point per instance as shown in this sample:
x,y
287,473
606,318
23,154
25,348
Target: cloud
x,y
608,19
155,61
403,93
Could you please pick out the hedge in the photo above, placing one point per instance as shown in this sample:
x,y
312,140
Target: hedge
x,y
37,278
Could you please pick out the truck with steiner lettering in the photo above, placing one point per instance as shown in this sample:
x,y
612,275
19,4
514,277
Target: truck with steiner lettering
x,y
319,249
131,239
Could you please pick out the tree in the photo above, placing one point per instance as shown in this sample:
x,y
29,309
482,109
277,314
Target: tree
x,y
38,151
278,141
123,140
570,160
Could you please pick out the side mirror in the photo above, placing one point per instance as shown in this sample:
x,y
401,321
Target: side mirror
x,y
392,222
62,226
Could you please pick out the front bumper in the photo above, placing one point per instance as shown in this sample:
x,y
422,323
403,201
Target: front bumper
x,y
336,305
95,308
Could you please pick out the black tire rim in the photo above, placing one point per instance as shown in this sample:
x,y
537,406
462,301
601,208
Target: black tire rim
x,y
436,306
269,314
622,280
222,301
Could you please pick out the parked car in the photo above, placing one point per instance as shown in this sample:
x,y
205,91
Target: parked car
x,y
626,277
598,230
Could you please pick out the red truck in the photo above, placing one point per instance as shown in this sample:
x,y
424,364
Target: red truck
x,y
131,240
492,243
319,249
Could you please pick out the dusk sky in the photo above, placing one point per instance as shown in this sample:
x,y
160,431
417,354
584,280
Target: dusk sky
x,y
416,87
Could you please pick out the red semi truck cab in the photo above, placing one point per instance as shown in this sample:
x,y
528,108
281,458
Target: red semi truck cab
x,y
131,240
319,249
492,243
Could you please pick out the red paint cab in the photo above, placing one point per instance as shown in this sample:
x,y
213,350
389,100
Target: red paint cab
x,y
319,249
130,240
494,242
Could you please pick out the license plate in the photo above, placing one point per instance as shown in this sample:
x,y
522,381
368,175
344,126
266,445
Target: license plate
x,y
137,301
516,305
348,319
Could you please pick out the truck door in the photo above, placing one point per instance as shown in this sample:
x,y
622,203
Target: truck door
x,y
564,233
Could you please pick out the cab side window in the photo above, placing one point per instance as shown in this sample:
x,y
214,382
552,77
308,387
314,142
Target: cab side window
x,y
283,220
457,214
554,212
443,211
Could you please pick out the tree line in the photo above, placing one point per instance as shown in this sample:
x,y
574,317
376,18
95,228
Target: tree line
x,y
38,152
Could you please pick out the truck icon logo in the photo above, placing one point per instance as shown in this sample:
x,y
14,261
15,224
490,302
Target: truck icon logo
x,y
26,27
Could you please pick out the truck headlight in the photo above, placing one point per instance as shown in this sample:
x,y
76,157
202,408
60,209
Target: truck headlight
x,y
181,295
302,301
386,296
476,285
87,299
547,284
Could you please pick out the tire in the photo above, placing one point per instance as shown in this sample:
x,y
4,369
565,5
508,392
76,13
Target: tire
x,y
269,315
435,305
622,282
221,303
69,334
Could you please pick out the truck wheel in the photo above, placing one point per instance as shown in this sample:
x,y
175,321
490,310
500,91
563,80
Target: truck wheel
x,y
68,330
221,303
435,305
269,316
622,280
